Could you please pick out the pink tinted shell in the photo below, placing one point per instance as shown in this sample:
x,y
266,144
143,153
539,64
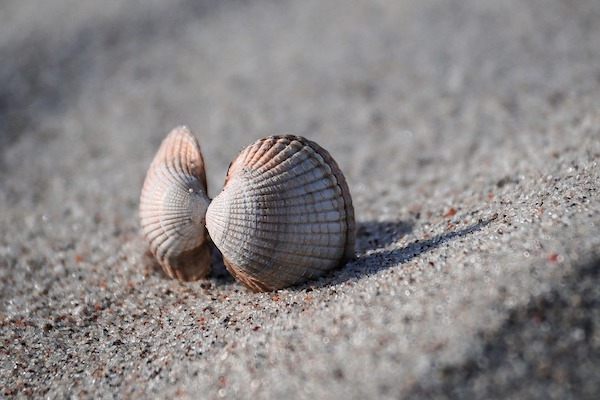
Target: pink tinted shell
x,y
285,214
173,206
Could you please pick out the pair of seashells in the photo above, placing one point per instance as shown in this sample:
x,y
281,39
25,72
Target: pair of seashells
x,y
284,215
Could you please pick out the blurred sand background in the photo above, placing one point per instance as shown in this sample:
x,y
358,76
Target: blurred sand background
x,y
468,131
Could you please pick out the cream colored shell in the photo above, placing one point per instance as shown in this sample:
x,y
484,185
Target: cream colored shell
x,y
285,214
173,206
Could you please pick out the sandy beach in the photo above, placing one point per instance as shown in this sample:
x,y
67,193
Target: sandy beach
x,y
468,132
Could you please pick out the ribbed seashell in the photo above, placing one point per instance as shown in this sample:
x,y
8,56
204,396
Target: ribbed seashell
x,y
173,207
285,214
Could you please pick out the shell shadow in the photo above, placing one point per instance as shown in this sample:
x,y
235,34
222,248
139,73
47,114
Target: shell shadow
x,y
373,237
219,274
369,235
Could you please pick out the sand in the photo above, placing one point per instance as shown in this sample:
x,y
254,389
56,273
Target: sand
x,y
468,131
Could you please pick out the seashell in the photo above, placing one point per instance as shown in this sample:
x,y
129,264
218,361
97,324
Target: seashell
x,y
285,214
173,206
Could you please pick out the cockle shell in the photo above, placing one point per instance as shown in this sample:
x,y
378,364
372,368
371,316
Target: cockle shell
x,y
285,214
173,206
